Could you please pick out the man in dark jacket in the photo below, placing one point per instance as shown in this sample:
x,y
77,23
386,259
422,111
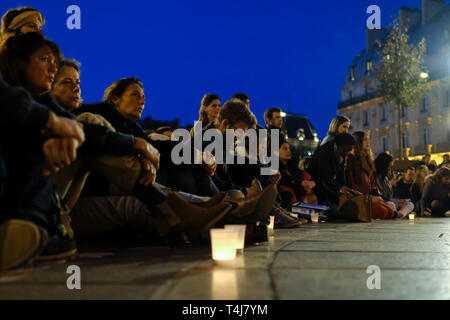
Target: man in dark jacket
x,y
327,167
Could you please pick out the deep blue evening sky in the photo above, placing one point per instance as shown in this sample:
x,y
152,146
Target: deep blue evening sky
x,y
182,49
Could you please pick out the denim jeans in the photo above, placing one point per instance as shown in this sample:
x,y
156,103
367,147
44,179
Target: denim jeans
x,y
26,192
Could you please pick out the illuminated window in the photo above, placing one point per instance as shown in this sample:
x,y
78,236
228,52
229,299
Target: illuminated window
x,y
352,74
369,66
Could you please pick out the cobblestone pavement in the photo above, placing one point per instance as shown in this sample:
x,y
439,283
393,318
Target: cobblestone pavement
x,y
323,261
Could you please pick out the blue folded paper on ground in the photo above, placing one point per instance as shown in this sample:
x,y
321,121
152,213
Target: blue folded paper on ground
x,y
304,210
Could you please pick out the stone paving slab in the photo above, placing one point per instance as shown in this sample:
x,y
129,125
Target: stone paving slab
x,y
357,260
320,261
352,284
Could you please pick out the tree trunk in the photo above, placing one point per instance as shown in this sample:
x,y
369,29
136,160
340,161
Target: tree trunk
x,y
400,131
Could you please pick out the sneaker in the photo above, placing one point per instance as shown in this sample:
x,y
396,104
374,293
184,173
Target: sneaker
x,y
283,220
20,242
58,248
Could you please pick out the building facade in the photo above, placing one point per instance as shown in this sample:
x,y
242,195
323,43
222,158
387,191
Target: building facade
x,y
427,123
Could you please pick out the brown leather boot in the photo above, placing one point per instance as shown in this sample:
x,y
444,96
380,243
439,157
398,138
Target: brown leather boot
x,y
260,203
216,199
191,216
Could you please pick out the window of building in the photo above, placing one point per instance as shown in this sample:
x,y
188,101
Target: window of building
x,y
425,103
384,114
366,118
350,95
385,144
448,98
405,140
369,66
426,137
352,74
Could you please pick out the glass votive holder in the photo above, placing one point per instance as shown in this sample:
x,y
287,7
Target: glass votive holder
x,y
314,217
271,223
223,244
240,229
411,216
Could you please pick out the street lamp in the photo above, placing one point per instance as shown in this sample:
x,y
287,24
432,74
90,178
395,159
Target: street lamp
x,y
424,75
283,114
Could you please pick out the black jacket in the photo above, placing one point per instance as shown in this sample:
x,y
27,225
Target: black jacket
x,y
26,114
99,140
329,174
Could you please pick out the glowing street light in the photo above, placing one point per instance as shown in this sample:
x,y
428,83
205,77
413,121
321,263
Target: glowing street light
x,y
283,114
424,75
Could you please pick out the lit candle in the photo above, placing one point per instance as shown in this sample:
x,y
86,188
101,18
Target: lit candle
x,y
314,217
240,229
411,216
223,244
272,223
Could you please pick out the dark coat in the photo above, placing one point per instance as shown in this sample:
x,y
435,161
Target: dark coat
x,y
328,172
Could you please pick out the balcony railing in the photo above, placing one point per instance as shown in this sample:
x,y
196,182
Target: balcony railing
x,y
359,99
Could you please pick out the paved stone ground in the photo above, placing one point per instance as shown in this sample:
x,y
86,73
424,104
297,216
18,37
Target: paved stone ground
x,y
324,261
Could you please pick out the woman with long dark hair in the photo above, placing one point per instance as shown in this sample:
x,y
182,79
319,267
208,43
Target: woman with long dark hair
x,y
384,173
436,193
360,175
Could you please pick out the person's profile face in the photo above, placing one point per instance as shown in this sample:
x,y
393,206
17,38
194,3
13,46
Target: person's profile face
x,y
344,127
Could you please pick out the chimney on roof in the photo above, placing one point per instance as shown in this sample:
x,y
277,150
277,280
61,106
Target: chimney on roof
x,y
373,35
430,8
410,15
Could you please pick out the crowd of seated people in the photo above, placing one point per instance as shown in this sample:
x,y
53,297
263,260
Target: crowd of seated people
x,y
75,171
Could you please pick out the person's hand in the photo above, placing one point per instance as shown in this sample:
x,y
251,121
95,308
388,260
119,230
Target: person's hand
x,y
64,128
401,202
148,172
209,163
59,152
275,178
349,191
146,151
427,213
308,186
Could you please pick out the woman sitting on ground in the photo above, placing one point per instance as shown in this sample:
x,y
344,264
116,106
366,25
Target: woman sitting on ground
x,y
209,110
417,186
294,183
360,175
339,124
20,21
384,172
436,194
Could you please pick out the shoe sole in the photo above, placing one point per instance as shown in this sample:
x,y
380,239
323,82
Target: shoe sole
x,y
20,241
58,256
